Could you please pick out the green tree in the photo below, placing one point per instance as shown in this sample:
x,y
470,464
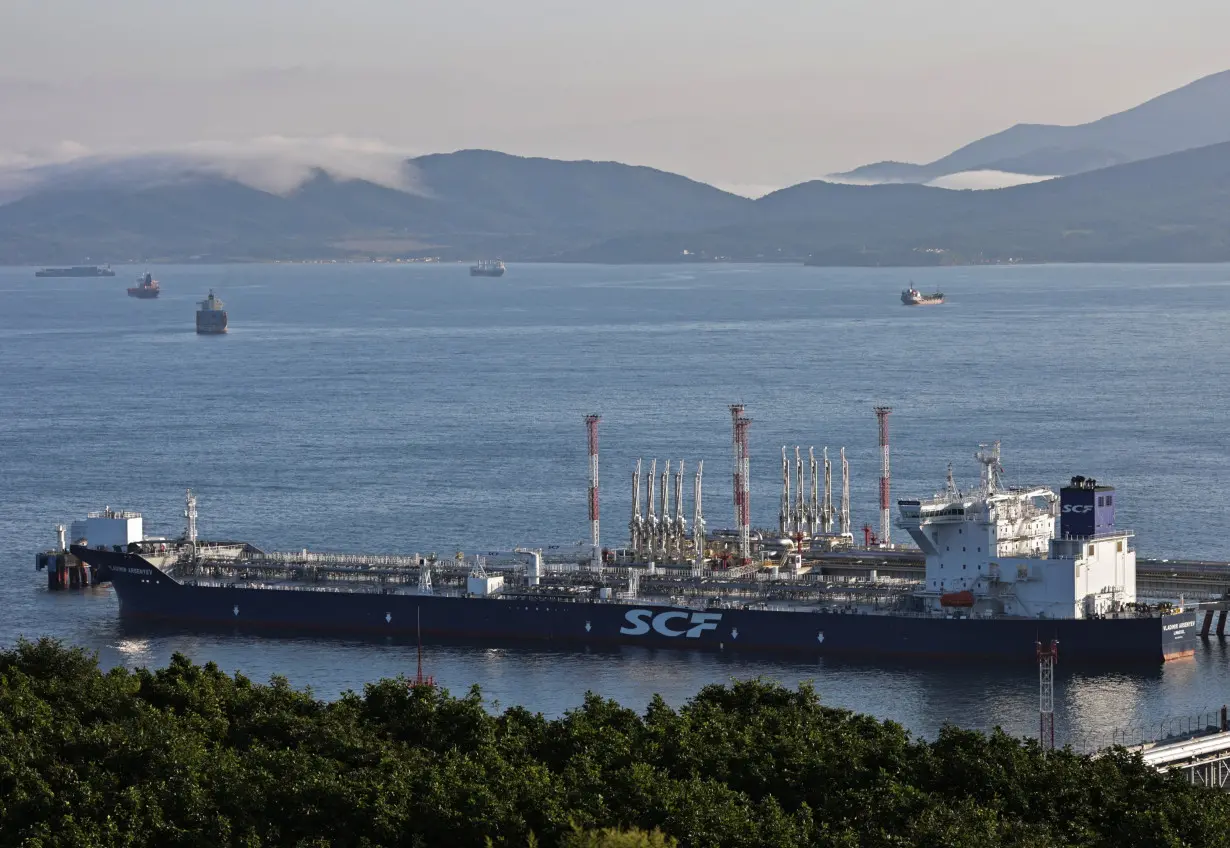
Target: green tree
x,y
189,756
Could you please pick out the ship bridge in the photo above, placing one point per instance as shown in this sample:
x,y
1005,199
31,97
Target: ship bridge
x,y
995,550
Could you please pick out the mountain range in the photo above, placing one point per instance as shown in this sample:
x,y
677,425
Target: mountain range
x,y
476,203
1195,115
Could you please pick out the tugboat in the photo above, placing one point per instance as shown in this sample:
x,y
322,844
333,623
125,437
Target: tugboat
x,y
487,268
913,297
211,317
146,287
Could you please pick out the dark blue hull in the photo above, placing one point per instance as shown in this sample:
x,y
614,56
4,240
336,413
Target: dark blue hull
x,y
145,593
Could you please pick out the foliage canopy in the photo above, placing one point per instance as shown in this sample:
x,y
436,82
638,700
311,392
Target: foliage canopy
x,y
189,756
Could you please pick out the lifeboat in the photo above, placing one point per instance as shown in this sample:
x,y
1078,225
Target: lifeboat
x,y
957,599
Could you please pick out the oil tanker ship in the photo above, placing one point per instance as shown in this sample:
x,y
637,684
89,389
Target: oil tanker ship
x,y
999,580
146,288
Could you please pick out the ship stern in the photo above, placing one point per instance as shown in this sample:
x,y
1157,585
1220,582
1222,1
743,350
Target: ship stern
x,y
1180,634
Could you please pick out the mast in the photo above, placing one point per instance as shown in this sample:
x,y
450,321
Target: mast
x,y
882,413
419,679
418,636
1046,694
736,412
190,523
745,506
988,455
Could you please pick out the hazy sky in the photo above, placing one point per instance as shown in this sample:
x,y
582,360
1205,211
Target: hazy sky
x,y
732,92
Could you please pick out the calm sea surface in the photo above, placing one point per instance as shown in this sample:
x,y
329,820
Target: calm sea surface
x,y
398,409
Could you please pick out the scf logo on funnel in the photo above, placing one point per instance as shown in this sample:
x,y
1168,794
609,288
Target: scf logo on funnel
x,y
670,623
1073,508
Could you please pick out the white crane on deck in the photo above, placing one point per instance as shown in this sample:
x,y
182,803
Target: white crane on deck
x,y
813,506
698,523
800,505
783,514
636,527
664,523
826,514
845,496
679,529
651,523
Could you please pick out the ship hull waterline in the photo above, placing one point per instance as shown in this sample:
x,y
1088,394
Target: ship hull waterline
x,y
146,594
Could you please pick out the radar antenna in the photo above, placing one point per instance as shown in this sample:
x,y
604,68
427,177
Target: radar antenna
x,y
988,455
952,490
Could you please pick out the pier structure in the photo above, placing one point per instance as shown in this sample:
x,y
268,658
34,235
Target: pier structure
x,y
1204,760
660,539
1197,747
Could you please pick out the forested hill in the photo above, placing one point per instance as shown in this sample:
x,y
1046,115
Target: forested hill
x,y
474,204
189,756
1194,115
1172,208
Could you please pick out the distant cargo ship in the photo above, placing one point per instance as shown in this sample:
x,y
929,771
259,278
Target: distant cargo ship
x,y
913,297
147,287
77,271
211,317
487,268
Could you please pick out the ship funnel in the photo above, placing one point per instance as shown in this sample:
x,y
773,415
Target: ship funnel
x,y
60,538
1086,509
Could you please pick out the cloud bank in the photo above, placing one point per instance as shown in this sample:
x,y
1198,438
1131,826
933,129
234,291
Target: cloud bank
x,y
964,180
277,164
981,180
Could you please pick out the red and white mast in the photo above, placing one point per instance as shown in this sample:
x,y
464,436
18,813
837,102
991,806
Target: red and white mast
x,y
736,412
745,494
1047,657
882,413
591,425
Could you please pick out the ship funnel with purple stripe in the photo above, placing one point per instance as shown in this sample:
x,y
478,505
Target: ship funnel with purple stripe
x,y
1086,509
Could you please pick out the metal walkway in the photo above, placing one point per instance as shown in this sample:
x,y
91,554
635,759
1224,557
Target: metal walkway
x,y
1204,760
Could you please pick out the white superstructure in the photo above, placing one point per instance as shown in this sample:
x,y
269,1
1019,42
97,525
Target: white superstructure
x,y
110,527
995,551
